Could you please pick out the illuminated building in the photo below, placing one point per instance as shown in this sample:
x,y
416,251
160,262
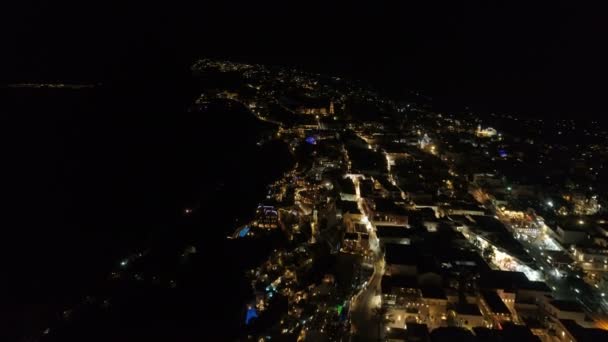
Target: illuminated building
x,y
266,217
401,260
424,141
494,307
467,315
591,259
412,332
584,205
571,234
387,189
461,209
393,234
347,190
571,330
565,309
486,132
355,243
386,212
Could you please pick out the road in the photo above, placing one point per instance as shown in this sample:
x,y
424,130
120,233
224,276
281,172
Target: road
x,y
364,324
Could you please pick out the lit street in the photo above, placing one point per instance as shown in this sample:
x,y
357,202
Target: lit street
x,y
364,324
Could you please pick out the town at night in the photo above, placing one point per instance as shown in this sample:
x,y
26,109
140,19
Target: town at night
x,y
348,190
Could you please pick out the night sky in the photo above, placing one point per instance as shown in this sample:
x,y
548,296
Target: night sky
x,y
534,58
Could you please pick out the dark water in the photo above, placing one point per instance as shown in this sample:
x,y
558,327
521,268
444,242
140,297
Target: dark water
x,y
94,174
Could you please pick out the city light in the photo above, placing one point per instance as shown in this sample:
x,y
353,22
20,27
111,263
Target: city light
x,y
365,220
380,231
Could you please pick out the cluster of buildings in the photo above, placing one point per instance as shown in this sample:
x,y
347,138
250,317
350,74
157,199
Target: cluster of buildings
x,y
449,229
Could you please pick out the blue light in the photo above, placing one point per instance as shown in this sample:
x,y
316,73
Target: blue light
x,y
244,231
251,314
311,140
502,153
344,312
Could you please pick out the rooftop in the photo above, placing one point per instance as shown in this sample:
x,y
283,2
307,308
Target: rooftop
x,y
433,292
572,223
414,332
346,186
567,305
520,333
494,302
393,232
490,224
536,286
348,207
510,281
451,334
584,334
509,332
401,254
505,280
388,206
386,184
391,282
460,205
427,263
467,309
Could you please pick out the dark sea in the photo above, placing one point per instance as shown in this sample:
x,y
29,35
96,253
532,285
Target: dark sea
x,y
92,175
